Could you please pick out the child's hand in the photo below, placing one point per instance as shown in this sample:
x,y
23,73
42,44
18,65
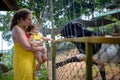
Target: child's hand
x,y
52,40
41,41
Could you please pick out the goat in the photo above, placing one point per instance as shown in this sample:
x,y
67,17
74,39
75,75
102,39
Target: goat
x,y
72,30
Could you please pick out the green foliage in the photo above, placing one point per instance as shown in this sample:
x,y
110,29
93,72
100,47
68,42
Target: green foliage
x,y
7,76
7,59
5,26
67,10
44,73
64,11
37,6
64,46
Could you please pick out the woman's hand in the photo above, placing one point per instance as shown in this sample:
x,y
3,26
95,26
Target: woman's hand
x,y
37,48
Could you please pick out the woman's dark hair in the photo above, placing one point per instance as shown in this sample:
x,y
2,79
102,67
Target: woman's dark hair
x,y
22,13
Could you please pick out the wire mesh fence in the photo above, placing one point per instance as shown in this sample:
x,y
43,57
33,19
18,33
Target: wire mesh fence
x,y
67,65
70,71
77,70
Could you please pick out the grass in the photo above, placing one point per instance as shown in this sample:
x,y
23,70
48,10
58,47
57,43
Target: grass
x,y
9,75
44,73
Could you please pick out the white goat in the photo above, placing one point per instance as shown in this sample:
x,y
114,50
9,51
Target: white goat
x,y
109,53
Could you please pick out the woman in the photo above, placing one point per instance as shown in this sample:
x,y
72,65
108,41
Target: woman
x,y
24,64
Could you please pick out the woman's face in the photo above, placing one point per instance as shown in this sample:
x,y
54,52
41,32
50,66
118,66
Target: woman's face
x,y
26,22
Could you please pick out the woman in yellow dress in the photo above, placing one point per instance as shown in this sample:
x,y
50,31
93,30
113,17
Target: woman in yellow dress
x,y
24,62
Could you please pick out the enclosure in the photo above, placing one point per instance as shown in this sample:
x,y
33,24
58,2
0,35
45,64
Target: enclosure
x,y
67,21
75,70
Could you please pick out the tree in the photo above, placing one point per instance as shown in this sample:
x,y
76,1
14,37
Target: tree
x,y
5,26
64,11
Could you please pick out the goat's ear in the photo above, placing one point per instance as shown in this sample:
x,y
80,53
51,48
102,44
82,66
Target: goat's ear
x,y
79,25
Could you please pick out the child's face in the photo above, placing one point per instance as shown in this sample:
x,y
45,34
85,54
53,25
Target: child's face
x,y
35,30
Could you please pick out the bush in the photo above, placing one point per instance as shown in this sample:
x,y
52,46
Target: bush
x,y
7,76
44,73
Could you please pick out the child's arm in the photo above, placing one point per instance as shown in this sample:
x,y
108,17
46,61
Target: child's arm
x,y
47,39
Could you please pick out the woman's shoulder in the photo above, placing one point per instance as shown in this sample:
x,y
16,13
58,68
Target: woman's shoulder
x,y
14,32
16,27
17,31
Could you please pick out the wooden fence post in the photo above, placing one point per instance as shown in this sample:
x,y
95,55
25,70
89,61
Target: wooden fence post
x,y
88,61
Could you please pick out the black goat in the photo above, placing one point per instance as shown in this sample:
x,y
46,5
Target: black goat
x,y
72,30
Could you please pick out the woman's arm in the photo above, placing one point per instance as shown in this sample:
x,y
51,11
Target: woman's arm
x,y
31,41
20,37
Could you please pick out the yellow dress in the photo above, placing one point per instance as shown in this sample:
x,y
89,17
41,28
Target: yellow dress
x,y
24,63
